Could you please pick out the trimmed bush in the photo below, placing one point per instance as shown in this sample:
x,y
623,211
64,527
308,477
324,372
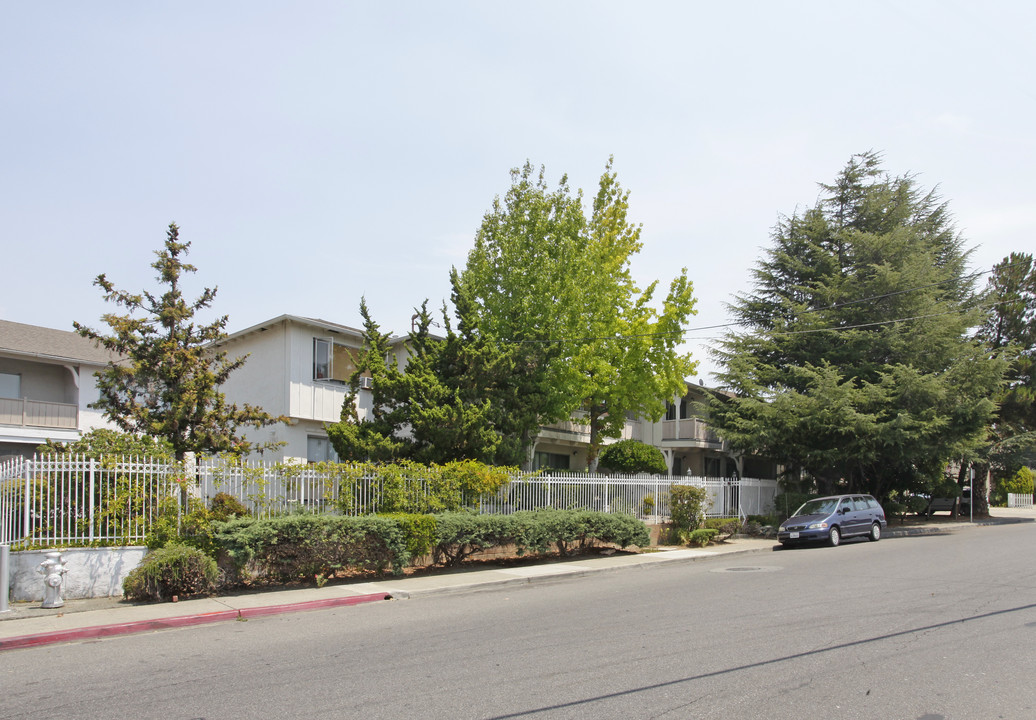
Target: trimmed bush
x,y
724,526
458,535
569,531
172,570
419,531
633,456
311,547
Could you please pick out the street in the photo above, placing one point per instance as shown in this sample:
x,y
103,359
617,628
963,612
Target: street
x,y
922,627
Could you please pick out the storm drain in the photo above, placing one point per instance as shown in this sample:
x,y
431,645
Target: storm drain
x,y
748,568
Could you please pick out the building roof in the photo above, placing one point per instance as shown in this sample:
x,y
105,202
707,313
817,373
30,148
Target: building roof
x,y
324,325
49,344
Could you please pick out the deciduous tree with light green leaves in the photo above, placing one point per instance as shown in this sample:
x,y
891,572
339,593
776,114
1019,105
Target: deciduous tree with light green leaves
x,y
853,360
556,284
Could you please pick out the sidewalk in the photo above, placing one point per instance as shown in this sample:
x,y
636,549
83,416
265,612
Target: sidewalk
x,y
29,625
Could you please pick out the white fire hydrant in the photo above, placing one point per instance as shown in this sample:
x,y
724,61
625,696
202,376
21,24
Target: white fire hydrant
x,y
53,568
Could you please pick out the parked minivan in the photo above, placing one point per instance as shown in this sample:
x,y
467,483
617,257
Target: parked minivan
x,y
829,519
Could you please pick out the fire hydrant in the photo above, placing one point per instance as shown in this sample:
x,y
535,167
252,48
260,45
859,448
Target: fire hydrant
x,y
53,568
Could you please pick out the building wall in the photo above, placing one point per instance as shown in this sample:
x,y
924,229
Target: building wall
x,y
278,376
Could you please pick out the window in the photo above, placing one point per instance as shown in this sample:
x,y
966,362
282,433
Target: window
x,y
552,461
319,449
332,362
10,385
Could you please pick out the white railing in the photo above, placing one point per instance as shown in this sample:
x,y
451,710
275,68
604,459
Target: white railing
x,y
1016,500
689,429
57,500
641,496
37,413
67,499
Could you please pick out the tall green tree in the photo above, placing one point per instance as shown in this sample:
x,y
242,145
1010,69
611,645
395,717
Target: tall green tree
x,y
167,386
418,412
555,284
1010,328
853,361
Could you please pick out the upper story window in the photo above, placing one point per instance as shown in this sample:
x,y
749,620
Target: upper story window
x,y
10,385
332,362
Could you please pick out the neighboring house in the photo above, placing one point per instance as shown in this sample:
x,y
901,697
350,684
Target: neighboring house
x,y
299,368
689,446
47,382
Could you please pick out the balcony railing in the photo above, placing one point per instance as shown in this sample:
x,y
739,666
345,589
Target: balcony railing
x,y
688,429
581,431
36,413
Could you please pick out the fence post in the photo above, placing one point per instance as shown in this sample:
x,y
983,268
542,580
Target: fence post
x,y
92,509
30,465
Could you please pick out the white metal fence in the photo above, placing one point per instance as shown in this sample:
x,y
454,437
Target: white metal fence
x,y
55,500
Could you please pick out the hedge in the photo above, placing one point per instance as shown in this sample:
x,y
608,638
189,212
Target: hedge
x,y
315,547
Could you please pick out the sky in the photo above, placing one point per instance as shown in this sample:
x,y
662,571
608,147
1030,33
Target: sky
x,y
314,153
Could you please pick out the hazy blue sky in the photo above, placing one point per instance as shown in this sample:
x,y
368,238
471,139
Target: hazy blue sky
x,y
314,152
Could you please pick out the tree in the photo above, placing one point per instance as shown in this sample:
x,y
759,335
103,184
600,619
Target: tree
x,y
102,442
556,286
633,456
418,412
167,385
1010,328
853,361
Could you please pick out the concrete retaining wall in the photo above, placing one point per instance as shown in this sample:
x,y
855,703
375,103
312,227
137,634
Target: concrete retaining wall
x,y
92,572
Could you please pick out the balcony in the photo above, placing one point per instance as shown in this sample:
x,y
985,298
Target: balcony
x,y
689,429
581,431
35,413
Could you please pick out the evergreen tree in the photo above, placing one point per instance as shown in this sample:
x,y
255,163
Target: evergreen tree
x,y
168,385
417,413
1010,328
853,361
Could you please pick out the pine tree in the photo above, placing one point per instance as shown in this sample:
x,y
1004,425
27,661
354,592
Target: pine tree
x,y
167,387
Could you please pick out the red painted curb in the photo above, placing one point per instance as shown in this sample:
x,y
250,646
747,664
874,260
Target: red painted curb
x,y
99,631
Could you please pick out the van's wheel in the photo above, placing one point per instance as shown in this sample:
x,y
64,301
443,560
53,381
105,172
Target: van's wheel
x,y
875,532
834,537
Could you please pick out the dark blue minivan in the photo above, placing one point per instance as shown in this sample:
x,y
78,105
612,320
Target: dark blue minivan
x,y
829,519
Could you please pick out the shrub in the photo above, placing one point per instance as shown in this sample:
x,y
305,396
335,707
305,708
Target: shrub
x,y
687,506
173,527
1021,483
224,506
311,547
633,456
172,570
701,537
648,505
411,487
419,531
788,502
458,535
724,526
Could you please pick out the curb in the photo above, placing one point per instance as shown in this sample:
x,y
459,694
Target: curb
x,y
139,626
953,527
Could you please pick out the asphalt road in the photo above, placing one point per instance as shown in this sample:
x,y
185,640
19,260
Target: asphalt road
x,y
923,627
